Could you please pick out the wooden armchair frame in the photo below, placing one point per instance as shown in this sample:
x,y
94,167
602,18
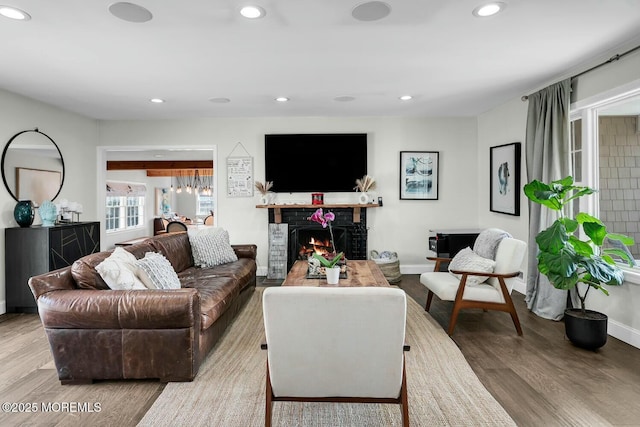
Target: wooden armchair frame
x,y
459,303
402,399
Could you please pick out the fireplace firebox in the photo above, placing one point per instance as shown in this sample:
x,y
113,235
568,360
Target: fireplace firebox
x,y
350,237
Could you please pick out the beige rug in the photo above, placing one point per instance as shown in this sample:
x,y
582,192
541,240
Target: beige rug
x,y
229,389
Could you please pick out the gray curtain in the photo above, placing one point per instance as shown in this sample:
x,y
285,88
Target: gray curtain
x,y
547,157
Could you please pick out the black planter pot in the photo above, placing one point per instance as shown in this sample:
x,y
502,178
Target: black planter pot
x,y
588,330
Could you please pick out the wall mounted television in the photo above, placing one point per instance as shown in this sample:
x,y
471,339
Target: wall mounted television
x,y
309,163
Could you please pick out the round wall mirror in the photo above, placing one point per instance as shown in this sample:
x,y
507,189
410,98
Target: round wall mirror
x,y
32,167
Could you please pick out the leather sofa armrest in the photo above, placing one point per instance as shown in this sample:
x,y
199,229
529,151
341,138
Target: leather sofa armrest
x,y
55,280
246,251
139,309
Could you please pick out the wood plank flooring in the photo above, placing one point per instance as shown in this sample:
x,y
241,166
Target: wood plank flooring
x,y
541,379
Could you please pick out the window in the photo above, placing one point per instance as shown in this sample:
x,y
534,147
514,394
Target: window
x,y
605,154
124,212
124,206
205,204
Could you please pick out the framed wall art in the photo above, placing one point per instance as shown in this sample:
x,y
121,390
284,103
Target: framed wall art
x,y
419,171
504,182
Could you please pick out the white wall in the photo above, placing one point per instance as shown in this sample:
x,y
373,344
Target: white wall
x,y
401,226
506,124
502,125
75,135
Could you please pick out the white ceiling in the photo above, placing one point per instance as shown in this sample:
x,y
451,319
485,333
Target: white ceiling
x,y
76,55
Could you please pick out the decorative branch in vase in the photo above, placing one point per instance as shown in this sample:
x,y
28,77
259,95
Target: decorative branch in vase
x,y
364,185
263,188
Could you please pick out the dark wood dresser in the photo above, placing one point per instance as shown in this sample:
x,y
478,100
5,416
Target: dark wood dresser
x,y
35,250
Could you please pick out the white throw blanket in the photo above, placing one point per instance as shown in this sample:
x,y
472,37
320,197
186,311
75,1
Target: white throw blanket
x,y
487,242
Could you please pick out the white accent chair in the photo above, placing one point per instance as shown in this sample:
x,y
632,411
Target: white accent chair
x,y
335,345
494,294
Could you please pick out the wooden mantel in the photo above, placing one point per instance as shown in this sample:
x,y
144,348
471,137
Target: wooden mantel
x,y
277,209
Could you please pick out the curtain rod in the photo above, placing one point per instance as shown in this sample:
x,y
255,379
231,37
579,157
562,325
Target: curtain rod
x,y
610,60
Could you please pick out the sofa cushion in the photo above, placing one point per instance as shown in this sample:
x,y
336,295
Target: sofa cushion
x,y
210,247
156,272
119,271
176,248
216,292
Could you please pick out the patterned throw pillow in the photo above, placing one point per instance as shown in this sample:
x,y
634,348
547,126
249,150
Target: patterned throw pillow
x,y
119,271
210,247
156,272
467,260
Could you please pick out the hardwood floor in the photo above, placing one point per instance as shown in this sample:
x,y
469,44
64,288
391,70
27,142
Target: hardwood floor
x,y
541,379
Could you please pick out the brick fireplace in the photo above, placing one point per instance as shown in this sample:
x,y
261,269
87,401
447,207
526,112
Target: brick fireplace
x,y
350,236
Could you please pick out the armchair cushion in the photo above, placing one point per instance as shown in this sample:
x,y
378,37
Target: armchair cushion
x,y
446,286
468,260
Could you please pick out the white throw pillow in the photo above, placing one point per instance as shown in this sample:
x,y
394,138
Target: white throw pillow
x,y
119,271
156,272
467,260
210,246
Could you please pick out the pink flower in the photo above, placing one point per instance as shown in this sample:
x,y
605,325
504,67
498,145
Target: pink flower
x,y
320,219
329,216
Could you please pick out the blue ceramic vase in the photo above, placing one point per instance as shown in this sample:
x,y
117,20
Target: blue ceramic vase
x,y
23,213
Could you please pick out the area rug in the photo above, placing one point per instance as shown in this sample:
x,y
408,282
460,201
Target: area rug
x,y
229,389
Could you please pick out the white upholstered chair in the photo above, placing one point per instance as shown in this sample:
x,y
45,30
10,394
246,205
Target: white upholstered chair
x,y
335,345
494,294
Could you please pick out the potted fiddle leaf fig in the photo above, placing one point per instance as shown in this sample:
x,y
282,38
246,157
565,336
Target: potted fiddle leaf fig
x,y
571,254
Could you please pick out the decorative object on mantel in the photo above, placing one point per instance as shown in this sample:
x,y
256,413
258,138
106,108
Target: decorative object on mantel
x,y
329,260
23,213
266,195
364,185
239,174
317,198
48,213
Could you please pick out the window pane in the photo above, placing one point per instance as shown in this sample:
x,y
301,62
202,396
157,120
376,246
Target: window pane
x,y
619,167
576,149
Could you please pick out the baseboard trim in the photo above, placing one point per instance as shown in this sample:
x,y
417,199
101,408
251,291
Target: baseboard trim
x,y
624,333
416,268
3,307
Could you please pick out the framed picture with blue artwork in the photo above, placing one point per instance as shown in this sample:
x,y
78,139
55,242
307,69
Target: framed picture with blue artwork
x,y
504,179
419,175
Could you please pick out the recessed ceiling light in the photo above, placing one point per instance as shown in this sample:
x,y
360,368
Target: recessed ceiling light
x,y
489,9
220,100
371,11
252,12
282,99
345,98
406,98
130,12
157,100
13,13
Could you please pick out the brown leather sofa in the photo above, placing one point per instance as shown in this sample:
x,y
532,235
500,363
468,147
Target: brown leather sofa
x,y
98,333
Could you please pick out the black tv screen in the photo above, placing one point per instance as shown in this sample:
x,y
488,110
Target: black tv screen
x,y
308,163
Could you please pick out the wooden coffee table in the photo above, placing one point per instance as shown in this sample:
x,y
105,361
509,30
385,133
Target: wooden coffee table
x,y
359,273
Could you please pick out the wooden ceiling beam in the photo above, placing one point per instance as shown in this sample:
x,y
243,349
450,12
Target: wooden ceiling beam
x,y
178,172
113,165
